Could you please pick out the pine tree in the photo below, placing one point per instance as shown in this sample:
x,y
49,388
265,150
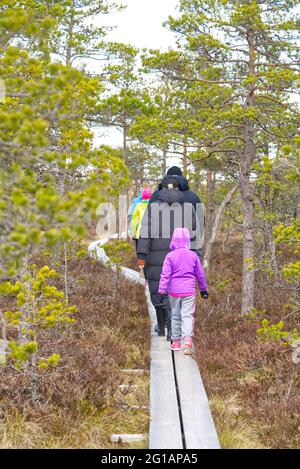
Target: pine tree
x,y
52,177
246,52
126,97
77,36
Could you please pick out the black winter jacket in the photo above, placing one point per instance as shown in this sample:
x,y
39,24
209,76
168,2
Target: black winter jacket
x,y
189,196
152,246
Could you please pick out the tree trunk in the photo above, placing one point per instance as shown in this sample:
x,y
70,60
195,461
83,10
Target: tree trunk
x,y
248,240
24,323
210,206
268,233
33,377
125,143
217,222
184,159
247,193
164,162
66,273
3,339
197,177
69,44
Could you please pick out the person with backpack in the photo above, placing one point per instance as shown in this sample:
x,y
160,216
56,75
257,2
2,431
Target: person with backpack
x,y
180,269
157,227
134,203
138,214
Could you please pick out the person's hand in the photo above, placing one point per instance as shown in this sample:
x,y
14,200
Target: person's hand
x,y
204,294
141,262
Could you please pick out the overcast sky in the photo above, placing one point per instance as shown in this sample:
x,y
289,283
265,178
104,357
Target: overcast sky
x,y
140,24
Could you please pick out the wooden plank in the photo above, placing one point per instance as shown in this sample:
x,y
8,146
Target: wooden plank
x,y
3,351
198,425
135,371
128,387
95,250
165,431
135,407
128,438
132,275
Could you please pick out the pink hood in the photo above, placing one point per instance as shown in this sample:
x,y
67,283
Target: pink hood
x,y
181,267
146,194
180,239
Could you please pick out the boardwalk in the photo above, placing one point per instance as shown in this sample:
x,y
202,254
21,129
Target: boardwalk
x,y
180,416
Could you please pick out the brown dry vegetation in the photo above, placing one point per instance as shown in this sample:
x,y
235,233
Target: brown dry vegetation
x,y
246,380
80,403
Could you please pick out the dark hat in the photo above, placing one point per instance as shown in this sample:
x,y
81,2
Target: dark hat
x,y
174,171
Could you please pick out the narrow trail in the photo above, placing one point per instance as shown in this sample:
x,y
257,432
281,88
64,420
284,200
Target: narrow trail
x,y
180,417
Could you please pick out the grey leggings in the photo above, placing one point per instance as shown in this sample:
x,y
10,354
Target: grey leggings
x,y
183,316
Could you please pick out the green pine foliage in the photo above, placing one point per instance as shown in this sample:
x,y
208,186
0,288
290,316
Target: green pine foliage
x,y
221,101
53,177
38,306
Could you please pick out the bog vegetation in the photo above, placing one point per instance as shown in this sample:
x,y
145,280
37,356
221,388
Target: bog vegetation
x,y
225,102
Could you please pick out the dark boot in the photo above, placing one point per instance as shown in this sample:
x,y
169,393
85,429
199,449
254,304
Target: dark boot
x,y
160,321
168,318
156,328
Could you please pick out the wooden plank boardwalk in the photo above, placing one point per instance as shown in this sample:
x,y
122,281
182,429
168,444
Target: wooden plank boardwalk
x,y
165,428
198,425
180,417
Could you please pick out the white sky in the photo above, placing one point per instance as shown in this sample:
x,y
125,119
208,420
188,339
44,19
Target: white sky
x,y
140,25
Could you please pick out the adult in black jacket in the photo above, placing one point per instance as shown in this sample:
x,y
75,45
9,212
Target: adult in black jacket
x,y
189,196
154,241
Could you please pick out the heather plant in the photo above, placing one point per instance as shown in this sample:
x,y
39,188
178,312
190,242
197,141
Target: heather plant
x,y
38,306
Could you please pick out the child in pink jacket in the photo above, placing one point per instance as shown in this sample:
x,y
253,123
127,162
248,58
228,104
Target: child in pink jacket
x,y
180,269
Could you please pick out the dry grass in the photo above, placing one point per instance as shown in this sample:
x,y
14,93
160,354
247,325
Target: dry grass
x,y
80,402
247,381
82,405
234,429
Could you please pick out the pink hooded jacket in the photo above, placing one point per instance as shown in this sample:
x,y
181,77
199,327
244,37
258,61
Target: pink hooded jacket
x,y
181,267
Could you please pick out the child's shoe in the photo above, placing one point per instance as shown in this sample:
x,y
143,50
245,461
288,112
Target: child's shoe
x,y
188,346
175,345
